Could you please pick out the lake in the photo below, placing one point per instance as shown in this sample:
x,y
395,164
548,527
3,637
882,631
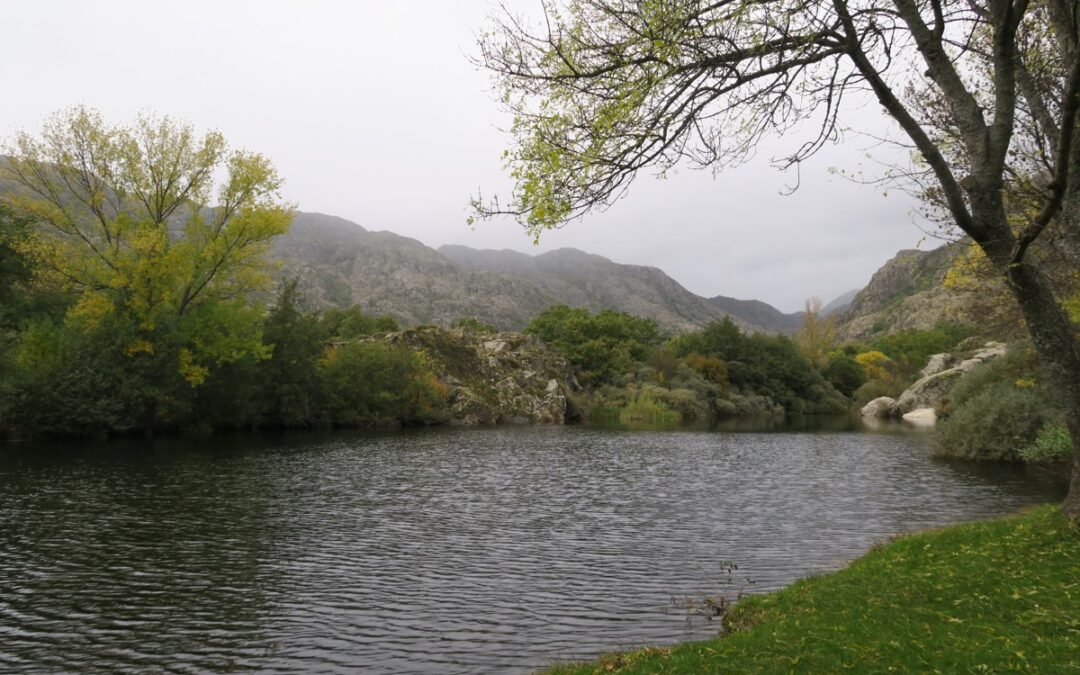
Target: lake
x,y
449,550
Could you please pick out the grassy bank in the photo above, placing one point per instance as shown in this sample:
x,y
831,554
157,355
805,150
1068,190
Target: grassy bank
x,y
996,596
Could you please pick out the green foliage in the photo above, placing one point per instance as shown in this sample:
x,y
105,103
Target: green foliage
x,y
122,218
875,389
601,346
1053,444
646,409
845,374
292,393
981,597
768,365
373,384
74,382
912,348
998,409
351,323
712,369
1018,365
994,424
474,325
15,269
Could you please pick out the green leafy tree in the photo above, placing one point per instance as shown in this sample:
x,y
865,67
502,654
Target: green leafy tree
x,y
352,322
845,374
291,385
603,346
373,384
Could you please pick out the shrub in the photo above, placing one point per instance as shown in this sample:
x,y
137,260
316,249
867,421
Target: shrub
x,y
1019,364
647,410
369,384
845,374
602,346
877,366
711,368
912,348
995,423
1053,444
474,325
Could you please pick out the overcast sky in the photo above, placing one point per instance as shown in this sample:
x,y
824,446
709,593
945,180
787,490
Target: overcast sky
x,y
371,111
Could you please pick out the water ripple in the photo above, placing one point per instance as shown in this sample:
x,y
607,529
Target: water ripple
x,y
446,551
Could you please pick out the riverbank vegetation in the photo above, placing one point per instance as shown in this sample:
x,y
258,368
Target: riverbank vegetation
x,y
1005,410
981,597
632,372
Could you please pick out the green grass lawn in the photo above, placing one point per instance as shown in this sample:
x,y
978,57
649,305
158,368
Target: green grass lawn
x,y
996,596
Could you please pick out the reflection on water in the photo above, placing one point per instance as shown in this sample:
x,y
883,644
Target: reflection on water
x,y
452,550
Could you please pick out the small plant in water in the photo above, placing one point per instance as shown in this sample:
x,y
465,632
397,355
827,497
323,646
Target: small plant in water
x,y
715,606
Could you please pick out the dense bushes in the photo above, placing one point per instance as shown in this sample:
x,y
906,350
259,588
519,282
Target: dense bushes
x,y
715,372
602,346
113,377
911,348
995,423
1002,410
765,365
845,374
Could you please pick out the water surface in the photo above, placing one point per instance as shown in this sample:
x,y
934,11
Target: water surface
x,y
496,550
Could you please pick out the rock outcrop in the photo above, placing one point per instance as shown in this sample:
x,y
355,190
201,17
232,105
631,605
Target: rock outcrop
x,y
879,407
921,417
931,390
503,378
906,293
938,363
928,392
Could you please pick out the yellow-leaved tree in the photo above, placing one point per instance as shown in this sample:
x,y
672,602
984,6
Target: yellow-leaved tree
x,y
153,228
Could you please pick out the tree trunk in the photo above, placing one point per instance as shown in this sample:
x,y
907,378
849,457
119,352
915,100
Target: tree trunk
x,y
1056,344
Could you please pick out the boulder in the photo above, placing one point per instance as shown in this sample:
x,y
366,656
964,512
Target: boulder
x,y
921,417
879,407
988,352
938,363
928,392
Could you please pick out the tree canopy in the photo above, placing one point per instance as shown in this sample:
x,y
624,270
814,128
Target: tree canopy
x,y
150,223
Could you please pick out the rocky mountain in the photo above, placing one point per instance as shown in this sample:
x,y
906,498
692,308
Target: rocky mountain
x,y
908,292
340,263
582,279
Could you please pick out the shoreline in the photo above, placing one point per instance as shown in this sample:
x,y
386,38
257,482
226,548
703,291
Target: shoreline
x,y
978,596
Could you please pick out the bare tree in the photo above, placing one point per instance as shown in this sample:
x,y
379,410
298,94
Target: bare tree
x,y
816,337
602,89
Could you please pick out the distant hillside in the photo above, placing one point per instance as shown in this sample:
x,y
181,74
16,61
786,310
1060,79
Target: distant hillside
x,y
582,279
840,304
759,313
340,263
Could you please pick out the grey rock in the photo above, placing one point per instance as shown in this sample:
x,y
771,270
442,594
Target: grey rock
x,y
509,379
988,352
937,363
929,391
921,417
879,407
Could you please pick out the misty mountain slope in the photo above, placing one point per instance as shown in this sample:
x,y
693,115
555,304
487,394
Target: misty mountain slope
x,y
340,263
760,314
582,279
840,304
